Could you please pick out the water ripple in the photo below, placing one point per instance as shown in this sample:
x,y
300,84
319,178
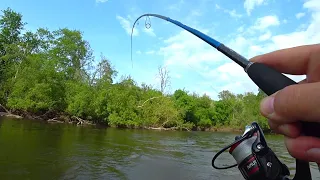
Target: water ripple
x,y
40,151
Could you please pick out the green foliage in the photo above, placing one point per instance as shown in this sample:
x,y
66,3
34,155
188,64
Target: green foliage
x,y
122,103
79,99
36,86
53,71
223,112
11,26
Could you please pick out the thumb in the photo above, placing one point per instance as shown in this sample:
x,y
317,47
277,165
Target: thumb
x,y
304,148
293,103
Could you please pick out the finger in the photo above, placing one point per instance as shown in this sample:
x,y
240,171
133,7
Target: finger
x,y
291,130
304,147
273,126
300,82
304,81
295,102
290,61
313,73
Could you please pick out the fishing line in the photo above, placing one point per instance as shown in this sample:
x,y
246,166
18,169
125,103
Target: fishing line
x,y
203,78
147,24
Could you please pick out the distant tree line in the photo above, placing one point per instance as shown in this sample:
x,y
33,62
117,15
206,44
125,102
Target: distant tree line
x,y
49,73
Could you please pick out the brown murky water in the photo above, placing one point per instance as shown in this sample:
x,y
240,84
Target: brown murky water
x,y
37,150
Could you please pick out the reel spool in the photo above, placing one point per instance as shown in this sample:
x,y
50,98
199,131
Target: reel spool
x,y
254,158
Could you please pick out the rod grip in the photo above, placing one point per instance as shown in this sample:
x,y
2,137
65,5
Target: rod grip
x,y
270,81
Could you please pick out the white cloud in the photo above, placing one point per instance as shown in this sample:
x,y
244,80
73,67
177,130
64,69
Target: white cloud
x,y
232,13
150,52
249,5
196,13
126,25
312,5
240,29
232,77
265,36
101,1
238,43
300,15
149,31
187,49
213,95
176,75
290,39
266,21
177,6
232,69
138,52
307,35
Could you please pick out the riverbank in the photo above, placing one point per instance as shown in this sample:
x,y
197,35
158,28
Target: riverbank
x,y
66,119
48,117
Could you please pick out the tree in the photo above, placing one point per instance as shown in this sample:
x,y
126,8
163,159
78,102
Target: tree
x,y
225,94
104,72
52,72
186,105
11,26
74,54
261,94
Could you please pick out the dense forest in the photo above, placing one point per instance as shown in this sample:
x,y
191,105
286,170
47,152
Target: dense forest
x,y
51,74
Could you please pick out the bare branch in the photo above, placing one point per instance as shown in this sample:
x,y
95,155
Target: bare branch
x,y
81,121
164,78
148,100
5,109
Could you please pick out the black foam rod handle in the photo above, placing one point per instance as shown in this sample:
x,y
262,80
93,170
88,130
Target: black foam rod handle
x,y
270,81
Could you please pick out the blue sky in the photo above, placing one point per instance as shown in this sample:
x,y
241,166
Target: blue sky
x,y
251,27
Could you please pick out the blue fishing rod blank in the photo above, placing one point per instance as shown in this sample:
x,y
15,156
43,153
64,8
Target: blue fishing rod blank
x,y
266,78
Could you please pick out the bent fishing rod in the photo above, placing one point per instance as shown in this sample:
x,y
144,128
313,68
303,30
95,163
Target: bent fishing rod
x,y
269,81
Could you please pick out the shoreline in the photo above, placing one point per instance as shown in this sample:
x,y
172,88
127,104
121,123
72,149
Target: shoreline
x,y
58,118
64,119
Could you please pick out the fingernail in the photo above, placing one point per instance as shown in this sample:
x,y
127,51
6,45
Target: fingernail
x,y
267,105
314,154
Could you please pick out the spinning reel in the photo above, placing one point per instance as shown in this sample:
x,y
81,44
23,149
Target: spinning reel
x,y
256,161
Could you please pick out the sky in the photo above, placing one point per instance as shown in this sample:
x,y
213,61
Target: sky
x,y
250,27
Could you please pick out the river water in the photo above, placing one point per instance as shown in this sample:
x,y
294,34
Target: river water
x,y
38,150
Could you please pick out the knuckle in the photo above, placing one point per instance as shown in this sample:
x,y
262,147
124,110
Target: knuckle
x,y
314,66
286,100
